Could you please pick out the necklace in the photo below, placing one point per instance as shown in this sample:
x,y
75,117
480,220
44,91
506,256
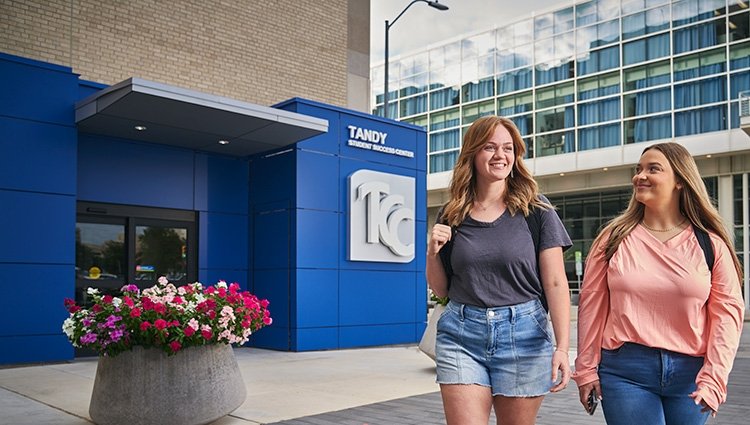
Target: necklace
x,y
664,230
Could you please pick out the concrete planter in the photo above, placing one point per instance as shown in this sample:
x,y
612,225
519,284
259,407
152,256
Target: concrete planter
x,y
196,386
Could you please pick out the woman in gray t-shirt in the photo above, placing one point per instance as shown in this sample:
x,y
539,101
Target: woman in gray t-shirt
x,y
497,253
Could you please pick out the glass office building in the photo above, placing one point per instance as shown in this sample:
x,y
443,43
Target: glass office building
x,y
589,85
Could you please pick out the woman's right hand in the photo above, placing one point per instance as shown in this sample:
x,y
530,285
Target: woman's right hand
x,y
584,391
439,236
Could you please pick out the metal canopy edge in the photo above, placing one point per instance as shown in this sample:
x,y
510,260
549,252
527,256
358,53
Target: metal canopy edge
x,y
190,119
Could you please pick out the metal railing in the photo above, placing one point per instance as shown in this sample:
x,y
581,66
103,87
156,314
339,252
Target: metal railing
x,y
744,104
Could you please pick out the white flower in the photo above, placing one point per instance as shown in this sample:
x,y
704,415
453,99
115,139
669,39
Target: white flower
x,y
199,298
69,327
221,284
116,302
92,291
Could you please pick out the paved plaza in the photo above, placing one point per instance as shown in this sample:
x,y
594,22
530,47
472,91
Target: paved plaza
x,y
392,385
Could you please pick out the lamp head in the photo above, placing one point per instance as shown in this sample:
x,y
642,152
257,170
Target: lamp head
x,y
437,5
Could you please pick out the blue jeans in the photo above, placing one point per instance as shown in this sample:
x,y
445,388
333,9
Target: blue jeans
x,y
643,385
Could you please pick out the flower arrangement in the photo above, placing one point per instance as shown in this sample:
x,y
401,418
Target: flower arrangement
x,y
165,316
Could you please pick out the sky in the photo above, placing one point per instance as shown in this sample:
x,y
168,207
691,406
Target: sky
x,y
422,25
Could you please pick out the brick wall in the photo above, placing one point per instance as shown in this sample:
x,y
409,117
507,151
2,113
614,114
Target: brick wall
x,y
259,51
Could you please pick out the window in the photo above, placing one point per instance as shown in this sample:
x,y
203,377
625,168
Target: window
x,y
599,60
599,111
442,98
602,85
445,140
514,80
555,95
700,64
647,102
516,104
445,119
645,49
688,11
704,120
413,105
647,22
649,128
739,56
443,161
647,76
600,136
473,112
700,92
699,36
119,244
739,26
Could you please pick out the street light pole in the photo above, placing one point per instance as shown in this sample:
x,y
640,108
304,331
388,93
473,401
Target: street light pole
x,y
432,3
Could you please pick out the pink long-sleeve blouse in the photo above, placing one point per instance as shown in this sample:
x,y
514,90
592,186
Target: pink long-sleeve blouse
x,y
661,295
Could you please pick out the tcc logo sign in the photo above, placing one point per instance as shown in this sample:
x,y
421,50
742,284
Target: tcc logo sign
x,y
381,217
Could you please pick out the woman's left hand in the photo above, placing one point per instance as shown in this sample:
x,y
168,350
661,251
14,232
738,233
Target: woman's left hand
x,y
699,401
561,365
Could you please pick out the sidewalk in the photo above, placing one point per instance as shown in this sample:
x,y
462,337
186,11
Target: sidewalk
x,y
374,386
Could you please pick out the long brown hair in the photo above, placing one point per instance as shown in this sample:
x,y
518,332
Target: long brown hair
x,y
521,192
695,204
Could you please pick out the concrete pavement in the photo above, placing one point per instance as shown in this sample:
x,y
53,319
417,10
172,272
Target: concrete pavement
x,y
374,386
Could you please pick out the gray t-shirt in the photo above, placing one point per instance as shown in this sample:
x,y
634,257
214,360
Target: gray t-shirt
x,y
495,264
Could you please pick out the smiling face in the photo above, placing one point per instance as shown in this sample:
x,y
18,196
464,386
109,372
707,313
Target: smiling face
x,y
654,181
494,160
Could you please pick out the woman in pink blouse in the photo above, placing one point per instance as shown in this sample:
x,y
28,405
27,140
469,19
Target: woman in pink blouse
x,y
657,330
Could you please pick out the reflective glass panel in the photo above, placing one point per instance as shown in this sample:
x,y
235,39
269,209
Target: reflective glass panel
x,y
160,251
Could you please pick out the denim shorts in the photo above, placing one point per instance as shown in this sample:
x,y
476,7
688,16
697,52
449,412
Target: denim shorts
x,y
649,386
508,349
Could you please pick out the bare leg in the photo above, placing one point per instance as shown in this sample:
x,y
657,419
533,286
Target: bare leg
x,y
517,410
466,404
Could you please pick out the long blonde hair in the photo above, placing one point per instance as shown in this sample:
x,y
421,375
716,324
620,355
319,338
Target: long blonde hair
x,y
521,192
695,204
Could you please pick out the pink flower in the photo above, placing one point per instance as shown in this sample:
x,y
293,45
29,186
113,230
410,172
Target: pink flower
x,y
145,325
189,331
107,299
175,346
177,300
160,324
136,312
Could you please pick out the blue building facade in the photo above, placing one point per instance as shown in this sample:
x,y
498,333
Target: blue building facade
x,y
79,187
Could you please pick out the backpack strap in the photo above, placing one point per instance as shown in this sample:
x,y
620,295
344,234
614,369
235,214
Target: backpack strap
x,y
445,251
708,249
534,221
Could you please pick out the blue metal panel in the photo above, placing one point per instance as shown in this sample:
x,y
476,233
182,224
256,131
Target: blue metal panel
x,y
273,240
327,142
364,336
33,297
317,181
123,172
275,286
315,339
376,297
212,276
35,349
224,237
272,178
317,298
37,157
421,305
37,91
317,239
420,213
37,228
221,184
421,145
